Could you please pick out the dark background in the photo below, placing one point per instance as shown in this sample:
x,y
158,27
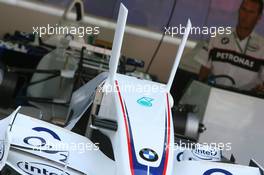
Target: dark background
x,y
154,14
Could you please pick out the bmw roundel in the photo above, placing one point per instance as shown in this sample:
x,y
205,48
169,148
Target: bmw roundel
x,y
225,40
148,155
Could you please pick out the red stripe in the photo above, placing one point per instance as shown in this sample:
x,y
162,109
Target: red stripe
x,y
127,132
168,139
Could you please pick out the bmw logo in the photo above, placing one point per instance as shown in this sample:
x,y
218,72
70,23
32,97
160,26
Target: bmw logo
x,y
148,155
253,48
225,40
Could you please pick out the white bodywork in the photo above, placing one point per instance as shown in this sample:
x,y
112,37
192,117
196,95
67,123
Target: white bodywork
x,y
143,143
41,149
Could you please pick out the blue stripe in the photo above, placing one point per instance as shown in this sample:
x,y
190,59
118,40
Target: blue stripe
x,y
159,170
54,135
140,169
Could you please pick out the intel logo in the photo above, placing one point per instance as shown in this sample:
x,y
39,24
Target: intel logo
x,y
206,154
34,168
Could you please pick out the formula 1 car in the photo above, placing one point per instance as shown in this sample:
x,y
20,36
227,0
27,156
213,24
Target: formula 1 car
x,y
136,119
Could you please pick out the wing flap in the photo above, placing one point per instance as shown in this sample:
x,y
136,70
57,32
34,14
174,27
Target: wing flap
x,y
44,141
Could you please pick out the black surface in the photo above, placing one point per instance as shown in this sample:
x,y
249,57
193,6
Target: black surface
x,y
104,123
180,84
8,90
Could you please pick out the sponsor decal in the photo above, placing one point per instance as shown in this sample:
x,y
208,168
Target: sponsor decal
x,y
35,168
35,141
253,47
148,155
145,101
39,141
217,171
61,156
179,156
206,154
237,59
52,133
40,144
225,40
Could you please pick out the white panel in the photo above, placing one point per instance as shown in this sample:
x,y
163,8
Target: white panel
x,y
210,168
238,119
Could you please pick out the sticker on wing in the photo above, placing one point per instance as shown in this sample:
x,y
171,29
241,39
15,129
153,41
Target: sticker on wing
x,y
38,138
34,165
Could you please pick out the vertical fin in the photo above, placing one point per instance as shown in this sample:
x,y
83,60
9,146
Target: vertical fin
x,y
118,39
78,4
179,55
